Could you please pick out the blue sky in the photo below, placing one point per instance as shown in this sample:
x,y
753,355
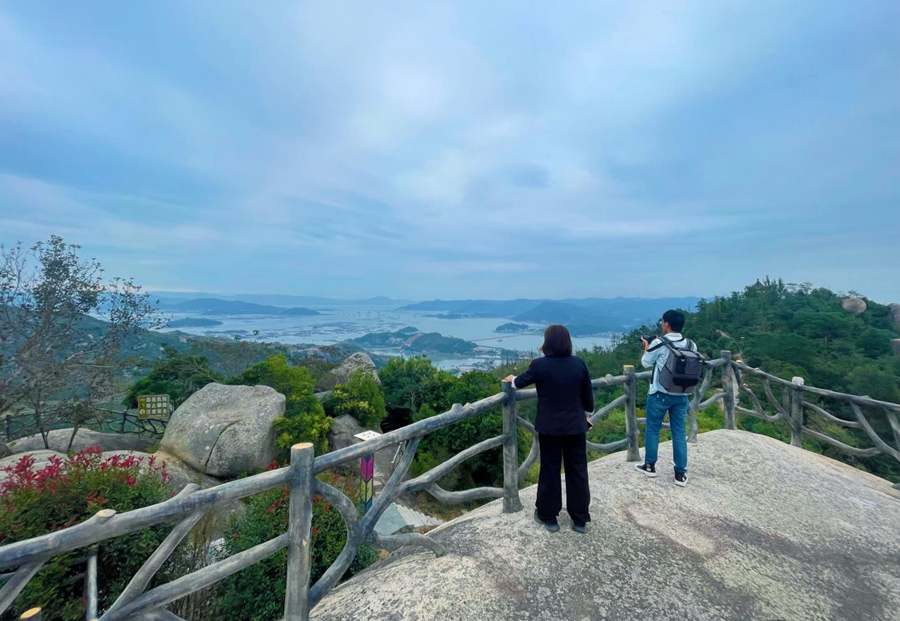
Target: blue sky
x,y
458,149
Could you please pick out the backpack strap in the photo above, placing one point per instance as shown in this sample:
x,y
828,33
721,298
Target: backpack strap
x,y
670,344
663,341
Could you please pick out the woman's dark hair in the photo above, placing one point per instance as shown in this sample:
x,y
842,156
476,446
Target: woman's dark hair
x,y
675,319
557,342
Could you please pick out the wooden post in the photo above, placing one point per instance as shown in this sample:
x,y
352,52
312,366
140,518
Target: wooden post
x,y
632,431
796,420
296,606
728,388
90,585
32,614
511,502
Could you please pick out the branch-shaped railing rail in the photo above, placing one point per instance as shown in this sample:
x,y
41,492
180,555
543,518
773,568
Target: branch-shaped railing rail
x,y
27,557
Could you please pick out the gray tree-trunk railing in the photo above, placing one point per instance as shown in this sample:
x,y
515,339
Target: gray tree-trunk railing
x,y
27,557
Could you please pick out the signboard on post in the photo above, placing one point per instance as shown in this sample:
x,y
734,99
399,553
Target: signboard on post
x,y
154,406
367,470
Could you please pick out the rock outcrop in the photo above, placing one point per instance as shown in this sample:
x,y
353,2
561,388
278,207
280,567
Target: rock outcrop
x,y
341,374
855,306
895,346
895,313
763,530
225,431
4,450
59,441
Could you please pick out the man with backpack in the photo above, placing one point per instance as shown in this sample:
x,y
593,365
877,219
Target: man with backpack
x,y
677,368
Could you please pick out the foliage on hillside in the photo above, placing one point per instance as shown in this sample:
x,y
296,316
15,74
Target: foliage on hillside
x,y
304,418
258,591
177,375
360,397
67,492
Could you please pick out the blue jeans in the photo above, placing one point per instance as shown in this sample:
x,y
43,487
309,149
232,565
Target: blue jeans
x,y
677,406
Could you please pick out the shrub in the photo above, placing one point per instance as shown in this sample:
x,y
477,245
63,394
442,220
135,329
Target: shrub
x,y
361,398
64,493
257,592
304,418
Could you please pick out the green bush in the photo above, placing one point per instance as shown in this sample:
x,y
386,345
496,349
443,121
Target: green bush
x,y
177,375
361,398
304,418
64,493
257,592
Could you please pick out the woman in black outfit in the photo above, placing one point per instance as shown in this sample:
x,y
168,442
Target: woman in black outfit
x,y
565,397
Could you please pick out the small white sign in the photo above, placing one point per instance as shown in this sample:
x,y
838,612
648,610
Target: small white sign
x,y
367,435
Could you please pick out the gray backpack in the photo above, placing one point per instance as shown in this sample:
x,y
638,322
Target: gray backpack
x,y
683,367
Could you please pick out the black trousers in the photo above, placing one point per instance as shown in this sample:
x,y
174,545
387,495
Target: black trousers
x,y
571,451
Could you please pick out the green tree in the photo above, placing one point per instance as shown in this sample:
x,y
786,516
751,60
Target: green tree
x,y
361,398
304,418
177,375
55,356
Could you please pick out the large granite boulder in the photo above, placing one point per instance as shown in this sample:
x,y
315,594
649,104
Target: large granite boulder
x,y
854,306
225,431
763,530
895,313
342,432
341,374
59,441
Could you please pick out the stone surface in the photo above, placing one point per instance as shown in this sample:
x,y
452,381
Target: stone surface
x,y
59,441
895,346
225,431
341,374
763,530
856,306
895,313
4,450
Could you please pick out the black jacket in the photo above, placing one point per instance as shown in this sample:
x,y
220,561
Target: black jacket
x,y
564,394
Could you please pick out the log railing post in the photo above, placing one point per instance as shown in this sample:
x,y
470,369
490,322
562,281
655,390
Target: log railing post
x,y
91,588
796,420
632,431
32,614
296,606
511,502
728,403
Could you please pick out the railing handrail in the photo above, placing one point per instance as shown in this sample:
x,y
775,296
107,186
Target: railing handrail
x,y
191,502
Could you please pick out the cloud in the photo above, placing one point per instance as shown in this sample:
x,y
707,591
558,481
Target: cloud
x,y
344,148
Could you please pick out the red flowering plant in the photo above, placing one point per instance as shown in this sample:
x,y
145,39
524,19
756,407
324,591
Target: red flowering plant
x,y
257,592
66,491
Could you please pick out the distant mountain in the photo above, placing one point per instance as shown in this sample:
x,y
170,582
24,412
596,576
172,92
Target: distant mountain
x,y
215,306
492,308
171,298
583,317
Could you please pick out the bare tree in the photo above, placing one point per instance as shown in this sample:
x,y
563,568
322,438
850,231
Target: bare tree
x,y
62,329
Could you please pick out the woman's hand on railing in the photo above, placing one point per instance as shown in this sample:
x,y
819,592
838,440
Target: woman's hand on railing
x,y
509,378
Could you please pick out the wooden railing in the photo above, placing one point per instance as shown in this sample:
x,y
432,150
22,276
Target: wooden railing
x,y
191,504
22,425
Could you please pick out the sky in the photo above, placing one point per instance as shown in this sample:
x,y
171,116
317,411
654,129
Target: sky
x,y
458,149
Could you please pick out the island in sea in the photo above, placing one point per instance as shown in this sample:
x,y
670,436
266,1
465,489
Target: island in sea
x,y
512,327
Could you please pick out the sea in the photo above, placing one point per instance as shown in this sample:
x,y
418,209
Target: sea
x,y
336,324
